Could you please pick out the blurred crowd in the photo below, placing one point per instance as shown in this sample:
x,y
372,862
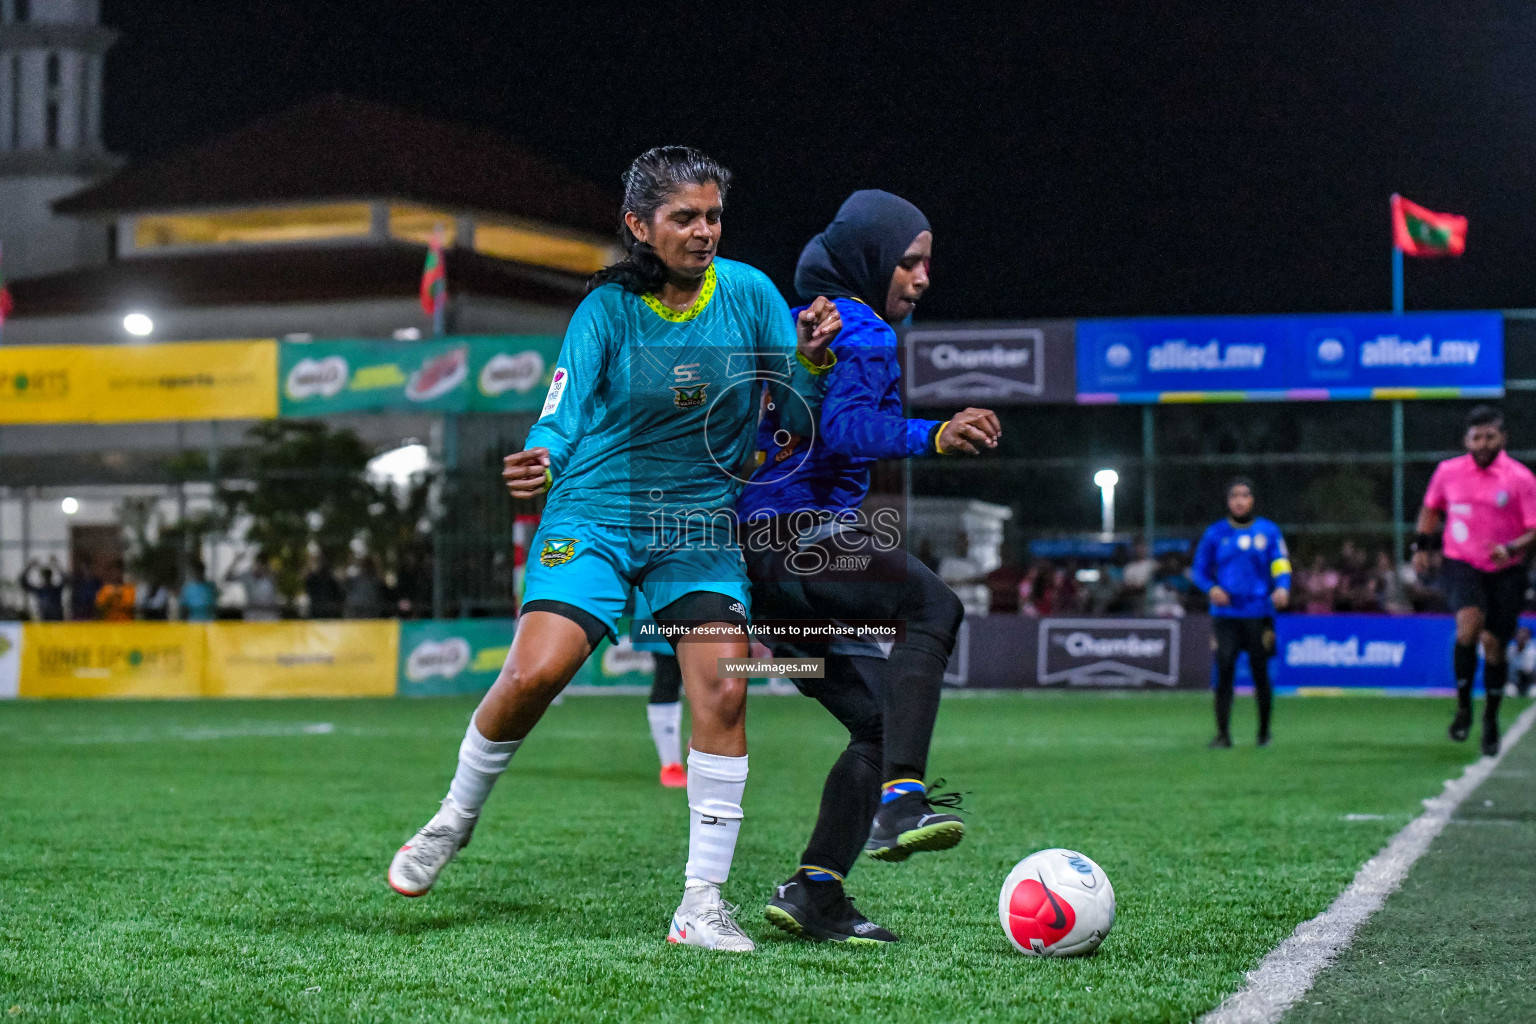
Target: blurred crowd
x,y
250,590
1352,580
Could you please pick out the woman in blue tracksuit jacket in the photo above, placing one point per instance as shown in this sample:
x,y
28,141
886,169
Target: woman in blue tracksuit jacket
x,y
813,553
1244,568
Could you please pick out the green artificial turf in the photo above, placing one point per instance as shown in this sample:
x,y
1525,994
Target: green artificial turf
x,y
1458,941
225,860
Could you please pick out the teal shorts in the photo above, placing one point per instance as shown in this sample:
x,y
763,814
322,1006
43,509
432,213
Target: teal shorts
x,y
606,570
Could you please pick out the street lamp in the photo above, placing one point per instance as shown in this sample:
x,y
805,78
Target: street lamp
x,y
139,325
1105,480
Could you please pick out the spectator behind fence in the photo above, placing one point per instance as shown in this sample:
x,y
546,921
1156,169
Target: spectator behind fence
x,y
84,585
326,597
155,602
1391,587
1522,661
199,600
1320,587
365,590
116,599
47,590
263,602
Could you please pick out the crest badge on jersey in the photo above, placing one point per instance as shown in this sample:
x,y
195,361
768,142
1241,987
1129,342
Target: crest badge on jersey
x,y
1501,499
557,551
1261,542
1244,541
689,398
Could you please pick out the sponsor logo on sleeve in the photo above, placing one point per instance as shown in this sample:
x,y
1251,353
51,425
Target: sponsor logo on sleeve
x,y
556,390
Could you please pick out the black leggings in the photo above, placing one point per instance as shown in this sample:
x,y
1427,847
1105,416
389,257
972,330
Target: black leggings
x,y
889,705
667,686
1233,636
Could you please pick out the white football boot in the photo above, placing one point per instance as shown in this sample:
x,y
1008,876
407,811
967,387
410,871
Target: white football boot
x,y
418,863
706,920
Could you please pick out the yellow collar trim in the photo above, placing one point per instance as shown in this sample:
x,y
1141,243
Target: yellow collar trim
x,y
671,315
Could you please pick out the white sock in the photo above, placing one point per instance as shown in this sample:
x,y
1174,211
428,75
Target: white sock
x,y
666,727
715,785
481,762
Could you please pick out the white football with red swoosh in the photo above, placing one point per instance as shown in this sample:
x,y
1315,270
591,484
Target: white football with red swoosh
x,y
1056,903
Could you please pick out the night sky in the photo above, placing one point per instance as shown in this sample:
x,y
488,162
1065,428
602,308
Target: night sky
x,y
1075,159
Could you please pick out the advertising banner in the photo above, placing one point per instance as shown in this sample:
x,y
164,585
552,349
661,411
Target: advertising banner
x,y
1377,652
443,656
617,665
508,373
991,363
1012,652
1291,358
102,659
185,380
302,659
10,659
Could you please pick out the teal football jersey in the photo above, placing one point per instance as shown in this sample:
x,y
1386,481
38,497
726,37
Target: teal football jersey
x,y
651,413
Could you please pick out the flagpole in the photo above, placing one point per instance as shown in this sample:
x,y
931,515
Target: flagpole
x,y
1397,279
1397,265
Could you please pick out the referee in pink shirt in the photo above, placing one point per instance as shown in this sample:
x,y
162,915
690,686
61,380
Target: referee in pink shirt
x,y
1486,502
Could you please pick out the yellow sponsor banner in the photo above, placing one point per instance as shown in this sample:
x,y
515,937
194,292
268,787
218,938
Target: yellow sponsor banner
x,y
302,659
101,659
182,380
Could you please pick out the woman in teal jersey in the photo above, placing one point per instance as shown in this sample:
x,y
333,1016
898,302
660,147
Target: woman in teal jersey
x,y
643,445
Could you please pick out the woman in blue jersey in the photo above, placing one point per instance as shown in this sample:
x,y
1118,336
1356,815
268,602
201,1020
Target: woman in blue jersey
x,y
816,551
651,413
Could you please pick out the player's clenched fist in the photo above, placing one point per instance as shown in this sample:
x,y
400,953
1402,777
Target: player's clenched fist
x,y
526,473
816,326
970,431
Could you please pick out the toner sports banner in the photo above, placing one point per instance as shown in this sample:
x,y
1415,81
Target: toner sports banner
x,y
509,373
105,659
441,656
10,659
1291,358
183,380
313,658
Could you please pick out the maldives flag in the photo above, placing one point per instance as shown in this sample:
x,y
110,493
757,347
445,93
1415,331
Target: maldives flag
x,y
434,278
1420,232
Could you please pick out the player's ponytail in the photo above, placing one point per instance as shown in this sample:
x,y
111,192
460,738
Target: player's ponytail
x,y
648,184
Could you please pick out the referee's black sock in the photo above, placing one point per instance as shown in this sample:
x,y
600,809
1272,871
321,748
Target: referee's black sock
x,y
1493,692
1464,665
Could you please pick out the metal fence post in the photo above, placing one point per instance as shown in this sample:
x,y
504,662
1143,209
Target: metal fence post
x,y
1398,504
1148,475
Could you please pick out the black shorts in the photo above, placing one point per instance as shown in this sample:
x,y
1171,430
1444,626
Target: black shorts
x,y
1499,595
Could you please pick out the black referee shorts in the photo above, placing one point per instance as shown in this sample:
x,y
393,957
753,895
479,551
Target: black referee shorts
x,y
1499,595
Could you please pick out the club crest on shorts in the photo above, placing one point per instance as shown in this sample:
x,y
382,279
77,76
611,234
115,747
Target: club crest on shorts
x,y
558,551
689,398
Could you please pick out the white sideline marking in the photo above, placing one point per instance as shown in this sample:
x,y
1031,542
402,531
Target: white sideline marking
x,y
194,734
1287,973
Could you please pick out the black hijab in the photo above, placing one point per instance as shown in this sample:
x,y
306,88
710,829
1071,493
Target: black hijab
x,y
857,254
